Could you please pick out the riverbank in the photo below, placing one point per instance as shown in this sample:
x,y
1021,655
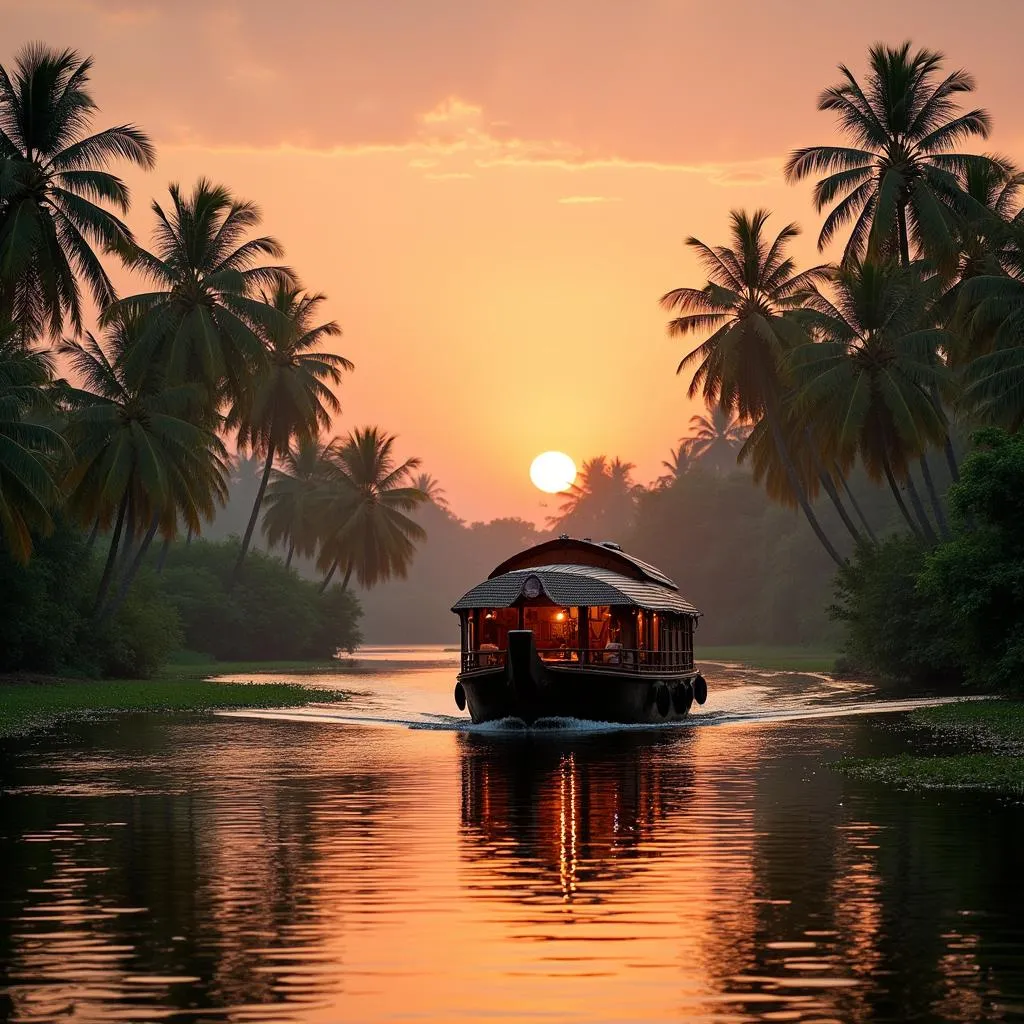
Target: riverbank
x,y
206,668
770,658
990,732
26,706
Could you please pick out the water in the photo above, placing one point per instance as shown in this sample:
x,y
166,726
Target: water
x,y
387,863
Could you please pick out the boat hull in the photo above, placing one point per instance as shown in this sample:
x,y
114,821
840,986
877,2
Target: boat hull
x,y
527,688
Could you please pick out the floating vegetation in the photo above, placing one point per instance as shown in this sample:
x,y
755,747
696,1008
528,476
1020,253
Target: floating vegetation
x,y
994,727
28,706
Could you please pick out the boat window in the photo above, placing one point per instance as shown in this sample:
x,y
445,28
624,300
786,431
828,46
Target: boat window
x,y
602,629
494,626
555,630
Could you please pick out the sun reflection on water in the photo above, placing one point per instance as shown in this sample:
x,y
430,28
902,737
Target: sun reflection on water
x,y
244,869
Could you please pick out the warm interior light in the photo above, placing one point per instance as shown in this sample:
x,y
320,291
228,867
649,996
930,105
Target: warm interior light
x,y
560,616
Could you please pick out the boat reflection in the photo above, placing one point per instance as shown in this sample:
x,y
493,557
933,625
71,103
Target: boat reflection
x,y
582,810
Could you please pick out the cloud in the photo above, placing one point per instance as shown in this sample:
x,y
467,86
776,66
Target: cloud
x,y
585,200
450,110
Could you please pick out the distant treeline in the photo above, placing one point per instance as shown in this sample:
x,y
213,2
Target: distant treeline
x,y
744,561
182,597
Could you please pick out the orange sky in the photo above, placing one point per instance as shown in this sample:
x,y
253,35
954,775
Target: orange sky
x,y
494,194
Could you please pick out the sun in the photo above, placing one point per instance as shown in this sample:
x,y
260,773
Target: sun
x,y
553,472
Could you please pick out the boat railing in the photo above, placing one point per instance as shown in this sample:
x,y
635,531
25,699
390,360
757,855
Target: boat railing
x,y
473,660
620,659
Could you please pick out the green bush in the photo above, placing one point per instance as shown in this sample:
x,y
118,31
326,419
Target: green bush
x,y
268,613
952,612
141,636
893,631
47,623
976,580
42,613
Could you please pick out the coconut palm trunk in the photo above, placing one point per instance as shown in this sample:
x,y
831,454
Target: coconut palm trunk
x,y
798,488
329,576
115,540
915,501
830,489
129,531
933,497
288,560
247,539
895,488
856,506
162,557
828,484
129,576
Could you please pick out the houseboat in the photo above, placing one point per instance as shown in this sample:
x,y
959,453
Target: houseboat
x,y
577,629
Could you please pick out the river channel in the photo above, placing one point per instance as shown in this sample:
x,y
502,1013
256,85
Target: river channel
x,y
384,861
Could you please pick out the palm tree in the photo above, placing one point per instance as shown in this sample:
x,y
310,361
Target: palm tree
x,y
602,500
435,493
739,365
296,497
204,323
52,185
994,379
676,466
29,450
985,289
289,396
866,384
139,461
365,526
716,439
897,180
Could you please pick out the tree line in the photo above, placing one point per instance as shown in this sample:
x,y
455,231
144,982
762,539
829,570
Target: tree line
x,y
872,363
122,432
868,360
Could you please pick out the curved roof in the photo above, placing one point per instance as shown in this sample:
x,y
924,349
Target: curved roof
x,y
567,550
576,585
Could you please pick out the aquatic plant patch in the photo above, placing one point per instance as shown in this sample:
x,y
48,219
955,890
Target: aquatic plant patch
x,y
28,706
995,727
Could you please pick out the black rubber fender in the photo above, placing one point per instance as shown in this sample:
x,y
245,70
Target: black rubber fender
x,y
460,696
682,697
700,689
662,699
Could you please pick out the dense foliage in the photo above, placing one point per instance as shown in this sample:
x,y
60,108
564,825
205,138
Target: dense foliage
x,y
866,363
46,621
270,614
220,346
952,611
976,580
47,626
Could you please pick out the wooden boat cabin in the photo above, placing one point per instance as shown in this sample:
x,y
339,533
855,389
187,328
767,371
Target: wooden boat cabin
x,y
584,609
586,603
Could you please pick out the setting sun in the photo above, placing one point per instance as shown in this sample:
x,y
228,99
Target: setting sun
x,y
552,472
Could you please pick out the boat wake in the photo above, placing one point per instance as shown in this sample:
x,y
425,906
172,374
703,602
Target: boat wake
x,y
417,694
339,715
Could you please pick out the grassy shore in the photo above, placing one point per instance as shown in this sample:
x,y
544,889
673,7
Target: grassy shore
x,y
204,669
993,731
776,659
26,706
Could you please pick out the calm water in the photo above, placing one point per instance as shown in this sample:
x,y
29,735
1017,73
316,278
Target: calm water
x,y
389,864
